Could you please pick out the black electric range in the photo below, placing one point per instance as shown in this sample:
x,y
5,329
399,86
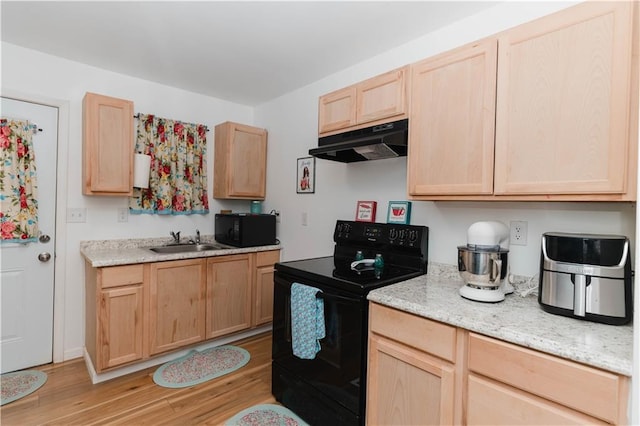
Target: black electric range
x,y
331,388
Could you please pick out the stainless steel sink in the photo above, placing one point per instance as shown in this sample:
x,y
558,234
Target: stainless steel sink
x,y
185,248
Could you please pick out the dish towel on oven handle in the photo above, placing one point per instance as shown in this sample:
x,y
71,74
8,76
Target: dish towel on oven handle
x,y
307,321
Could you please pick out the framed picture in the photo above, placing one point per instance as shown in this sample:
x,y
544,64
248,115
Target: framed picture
x,y
399,212
366,211
306,177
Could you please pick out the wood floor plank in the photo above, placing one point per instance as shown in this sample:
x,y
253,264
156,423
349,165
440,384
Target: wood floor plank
x,y
68,397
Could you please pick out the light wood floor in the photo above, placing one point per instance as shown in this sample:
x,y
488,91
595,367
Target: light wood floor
x,y
69,398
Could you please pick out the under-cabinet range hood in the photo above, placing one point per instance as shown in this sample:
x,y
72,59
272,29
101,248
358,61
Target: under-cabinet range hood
x,y
387,140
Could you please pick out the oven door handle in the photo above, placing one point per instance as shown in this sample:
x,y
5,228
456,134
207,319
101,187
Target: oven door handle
x,y
325,296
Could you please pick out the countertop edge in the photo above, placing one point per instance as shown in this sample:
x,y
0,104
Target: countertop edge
x,y
100,254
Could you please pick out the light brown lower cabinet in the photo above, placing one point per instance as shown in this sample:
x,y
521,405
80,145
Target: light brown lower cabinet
x,y
425,372
546,389
493,403
239,292
114,315
134,312
412,376
263,300
228,294
423,386
177,292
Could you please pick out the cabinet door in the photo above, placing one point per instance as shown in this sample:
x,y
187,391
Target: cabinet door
x,y
337,110
228,294
120,326
407,386
562,124
107,145
451,128
240,163
263,304
381,97
177,304
492,403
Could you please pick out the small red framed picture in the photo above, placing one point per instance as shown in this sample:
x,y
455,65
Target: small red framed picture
x,y
366,211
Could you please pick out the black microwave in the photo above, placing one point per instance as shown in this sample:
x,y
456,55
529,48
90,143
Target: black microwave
x,y
245,229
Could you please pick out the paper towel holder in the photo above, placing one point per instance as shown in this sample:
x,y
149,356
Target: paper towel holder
x,y
141,170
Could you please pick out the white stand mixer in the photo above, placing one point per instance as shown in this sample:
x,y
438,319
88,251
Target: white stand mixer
x,y
483,262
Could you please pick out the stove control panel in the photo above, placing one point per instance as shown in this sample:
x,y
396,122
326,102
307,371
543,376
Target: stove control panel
x,y
350,232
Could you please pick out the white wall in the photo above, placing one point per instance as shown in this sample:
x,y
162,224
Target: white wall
x,y
292,124
44,76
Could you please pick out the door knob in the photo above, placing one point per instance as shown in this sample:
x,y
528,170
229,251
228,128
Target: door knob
x,y
44,238
44,257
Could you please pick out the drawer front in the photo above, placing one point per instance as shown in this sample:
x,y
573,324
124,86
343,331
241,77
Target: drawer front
x,y
267,258
517,407
592,391
117,276
429,336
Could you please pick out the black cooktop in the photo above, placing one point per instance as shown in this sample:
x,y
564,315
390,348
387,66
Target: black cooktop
x,y
404,249
338,274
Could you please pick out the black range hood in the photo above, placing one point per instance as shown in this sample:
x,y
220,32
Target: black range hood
x,y
387,140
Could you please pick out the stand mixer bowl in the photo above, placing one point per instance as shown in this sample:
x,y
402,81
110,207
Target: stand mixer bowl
x,y
483,267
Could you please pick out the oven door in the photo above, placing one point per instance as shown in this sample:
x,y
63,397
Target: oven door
x,y
337,371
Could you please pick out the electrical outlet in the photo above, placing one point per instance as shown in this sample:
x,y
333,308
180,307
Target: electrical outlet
x,y
123,214
277,213
518,233
77,215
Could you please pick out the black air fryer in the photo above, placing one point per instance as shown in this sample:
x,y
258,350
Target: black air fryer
x,y
586,276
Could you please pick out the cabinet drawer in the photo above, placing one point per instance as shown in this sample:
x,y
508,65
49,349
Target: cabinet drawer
x,y
267,258
429,336
116,276
519,407
592,391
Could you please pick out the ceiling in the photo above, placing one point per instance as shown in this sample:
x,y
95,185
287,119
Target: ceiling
x,y
247,52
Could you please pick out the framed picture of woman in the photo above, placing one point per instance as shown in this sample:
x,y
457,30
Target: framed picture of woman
x,y
306,177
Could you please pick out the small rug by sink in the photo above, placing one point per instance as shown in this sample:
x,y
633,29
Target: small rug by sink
x,y
200,366
266,415
20,383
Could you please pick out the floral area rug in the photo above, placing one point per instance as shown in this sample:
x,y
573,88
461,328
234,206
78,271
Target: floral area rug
x,y
19,384
200,366
266,415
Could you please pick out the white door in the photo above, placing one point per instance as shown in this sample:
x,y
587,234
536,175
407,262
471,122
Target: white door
x,y
26,276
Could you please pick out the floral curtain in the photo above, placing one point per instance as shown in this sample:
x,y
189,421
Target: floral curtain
x,y
18,186
178,177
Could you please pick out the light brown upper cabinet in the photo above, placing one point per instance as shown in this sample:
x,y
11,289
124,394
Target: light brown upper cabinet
x,y
366,103
563,103
566,112
107,145
451,128
240,162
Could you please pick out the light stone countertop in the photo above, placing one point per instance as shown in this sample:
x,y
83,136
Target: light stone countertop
x,y
519,320
100,253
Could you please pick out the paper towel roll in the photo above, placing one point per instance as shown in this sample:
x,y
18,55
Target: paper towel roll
x,y
141,168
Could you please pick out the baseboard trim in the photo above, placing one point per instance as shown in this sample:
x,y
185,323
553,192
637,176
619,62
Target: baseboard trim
x,y
161,359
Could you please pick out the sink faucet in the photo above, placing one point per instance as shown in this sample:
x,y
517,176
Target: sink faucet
x,y
197,241
176,236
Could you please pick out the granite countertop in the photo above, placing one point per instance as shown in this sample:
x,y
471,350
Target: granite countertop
x,y
100,253
517,319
